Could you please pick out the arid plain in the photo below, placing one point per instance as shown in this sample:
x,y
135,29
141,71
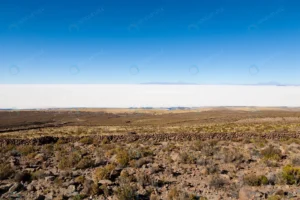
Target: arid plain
x,y
208,153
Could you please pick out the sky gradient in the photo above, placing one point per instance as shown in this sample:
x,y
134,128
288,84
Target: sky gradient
x,y
130,42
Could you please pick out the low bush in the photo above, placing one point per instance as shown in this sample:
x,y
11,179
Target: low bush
x,y
210,148
255,180
126,192
69,161
38,175
271,153
187,158
144,179
7,148
25,150
103,172
291,175
217,182
296,161
5,171
175,194
86,140
122,157
274,197
85,163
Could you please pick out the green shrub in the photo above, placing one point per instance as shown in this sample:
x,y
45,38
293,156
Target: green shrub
x,y
85,163
254,180
25,150
69,161
126,192
217,182
61,141
122,157
291,175
296,161
187,158
103,172
7,148
38,175
274,197
210,148
271,153
58,181
137,153
80,179
48,149
86,140
175,194
197,145
5,171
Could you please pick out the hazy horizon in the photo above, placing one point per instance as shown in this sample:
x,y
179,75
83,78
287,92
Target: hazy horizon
x,y
131,95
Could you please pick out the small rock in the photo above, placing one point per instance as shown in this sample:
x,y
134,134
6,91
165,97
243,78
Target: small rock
x,y
30,188
75,174
71,189
175,156
49,178
105,182
77,144
204,171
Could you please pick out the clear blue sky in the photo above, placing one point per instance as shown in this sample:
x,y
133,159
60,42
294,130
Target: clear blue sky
x,y
209,42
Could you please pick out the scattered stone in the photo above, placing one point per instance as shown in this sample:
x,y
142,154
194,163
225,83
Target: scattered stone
x,y
49,178
105,182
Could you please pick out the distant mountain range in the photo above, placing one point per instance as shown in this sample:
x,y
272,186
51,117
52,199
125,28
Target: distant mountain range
x,y
169,83
271,83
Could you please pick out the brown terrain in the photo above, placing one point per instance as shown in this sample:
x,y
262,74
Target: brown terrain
x,y
128,154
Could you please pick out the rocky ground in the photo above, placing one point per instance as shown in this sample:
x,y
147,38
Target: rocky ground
x,y
93,169
134,154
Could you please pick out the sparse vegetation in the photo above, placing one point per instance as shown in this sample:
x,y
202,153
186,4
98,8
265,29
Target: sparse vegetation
x,y
103,172
271,153
255,180
70,161
86,140
25,150
167,159
126,192
291,175
122,157
5,171
217,182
